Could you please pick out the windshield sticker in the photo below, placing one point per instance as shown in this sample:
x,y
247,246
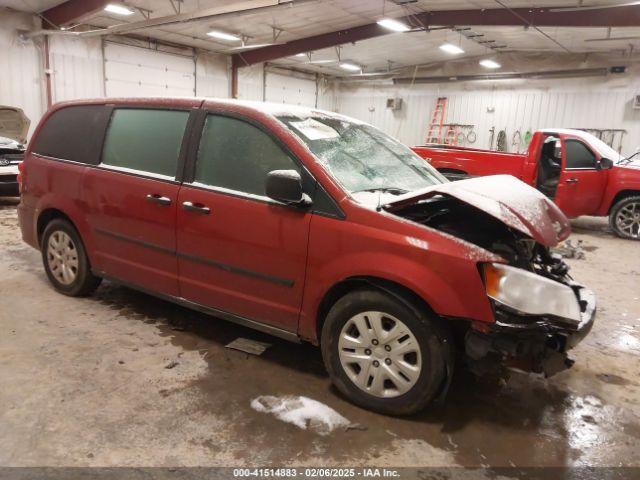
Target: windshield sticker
x,y
314,130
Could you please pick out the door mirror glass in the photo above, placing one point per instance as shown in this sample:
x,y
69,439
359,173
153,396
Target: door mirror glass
x,y
286,186
605,164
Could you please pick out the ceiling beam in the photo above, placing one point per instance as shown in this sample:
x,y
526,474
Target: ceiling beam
x,y
627,16
72,11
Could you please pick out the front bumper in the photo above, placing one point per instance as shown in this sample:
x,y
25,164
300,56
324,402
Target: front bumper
x,y
535,344
9,185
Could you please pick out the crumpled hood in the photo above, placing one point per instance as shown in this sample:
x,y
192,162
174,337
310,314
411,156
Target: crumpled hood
x,y
14,124
504,197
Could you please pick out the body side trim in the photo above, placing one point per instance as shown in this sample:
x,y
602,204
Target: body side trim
x,y
222,266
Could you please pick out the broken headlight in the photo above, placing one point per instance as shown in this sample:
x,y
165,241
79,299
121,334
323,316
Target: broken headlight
x,y
528,293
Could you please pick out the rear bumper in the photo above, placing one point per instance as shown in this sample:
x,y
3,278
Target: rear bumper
x,y
28,227
538,345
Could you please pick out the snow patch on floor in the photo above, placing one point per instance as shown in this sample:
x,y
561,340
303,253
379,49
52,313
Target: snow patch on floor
x,y
301,411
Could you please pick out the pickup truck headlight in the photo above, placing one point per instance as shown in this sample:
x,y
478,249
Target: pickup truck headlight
x,y
529,293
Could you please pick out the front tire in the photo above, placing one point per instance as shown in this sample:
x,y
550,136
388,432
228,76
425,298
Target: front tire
x,y
382,354
624,218
65,260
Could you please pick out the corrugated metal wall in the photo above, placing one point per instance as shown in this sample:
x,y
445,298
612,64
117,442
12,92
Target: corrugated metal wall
x,y
251,83
212,76
77,70
76,66
603,104
21,74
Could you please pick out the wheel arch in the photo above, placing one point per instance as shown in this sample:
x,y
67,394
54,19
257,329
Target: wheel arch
x,y
343,287
45,217
621,195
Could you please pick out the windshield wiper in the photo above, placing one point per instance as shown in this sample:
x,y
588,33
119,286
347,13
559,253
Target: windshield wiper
x,y
393,190
624,161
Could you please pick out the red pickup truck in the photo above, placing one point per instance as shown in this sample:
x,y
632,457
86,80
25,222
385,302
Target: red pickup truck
x,y
581,173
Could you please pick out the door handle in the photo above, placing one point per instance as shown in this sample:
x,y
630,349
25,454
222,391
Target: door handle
x,y
572,180
196,207
159,199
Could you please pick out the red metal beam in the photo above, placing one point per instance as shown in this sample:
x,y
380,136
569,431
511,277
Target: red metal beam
x,y
72,11
628,16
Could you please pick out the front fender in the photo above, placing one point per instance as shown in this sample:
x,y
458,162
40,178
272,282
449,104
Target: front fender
x,y
621,181
443,272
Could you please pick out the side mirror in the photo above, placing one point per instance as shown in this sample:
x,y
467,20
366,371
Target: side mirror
x,y
286,186
605,164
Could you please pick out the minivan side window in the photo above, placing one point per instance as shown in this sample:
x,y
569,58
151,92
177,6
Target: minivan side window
x,y
73,133
236,155
145,140
578,155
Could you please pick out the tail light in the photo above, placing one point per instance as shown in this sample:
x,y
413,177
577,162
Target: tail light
x,y
20,177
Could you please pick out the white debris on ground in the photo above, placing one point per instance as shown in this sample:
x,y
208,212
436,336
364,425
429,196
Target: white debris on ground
x,y
301,411
570,250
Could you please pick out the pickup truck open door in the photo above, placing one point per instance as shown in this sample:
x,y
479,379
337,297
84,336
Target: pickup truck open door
x,y
582,180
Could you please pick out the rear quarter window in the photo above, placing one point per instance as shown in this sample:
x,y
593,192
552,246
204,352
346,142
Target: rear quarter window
x,y
145,140
73,133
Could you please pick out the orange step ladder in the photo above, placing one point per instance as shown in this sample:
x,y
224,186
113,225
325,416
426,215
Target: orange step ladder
x,y
434,134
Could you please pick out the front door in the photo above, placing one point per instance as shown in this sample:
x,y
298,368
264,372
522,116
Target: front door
x,y
582,183
131,197
238,250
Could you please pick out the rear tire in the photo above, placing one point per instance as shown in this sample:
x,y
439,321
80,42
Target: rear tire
x,y
65,260
624,218
382,354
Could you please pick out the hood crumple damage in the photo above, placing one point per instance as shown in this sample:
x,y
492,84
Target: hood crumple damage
x,y
503,197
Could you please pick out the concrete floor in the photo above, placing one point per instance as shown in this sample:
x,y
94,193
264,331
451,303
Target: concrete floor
x,y
84,383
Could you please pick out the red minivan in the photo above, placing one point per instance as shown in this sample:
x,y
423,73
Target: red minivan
x,y
308,225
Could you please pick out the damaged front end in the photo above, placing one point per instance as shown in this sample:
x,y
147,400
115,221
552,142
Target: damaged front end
x,y
540,312
543,315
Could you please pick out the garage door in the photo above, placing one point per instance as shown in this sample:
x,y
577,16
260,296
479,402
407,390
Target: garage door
x,y
139,72
286,89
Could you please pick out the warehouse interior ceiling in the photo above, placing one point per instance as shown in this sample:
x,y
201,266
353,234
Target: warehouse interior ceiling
x,y
259,24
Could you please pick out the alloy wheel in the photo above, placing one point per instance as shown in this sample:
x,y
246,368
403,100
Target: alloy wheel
x,y
628,220
62,257
380,354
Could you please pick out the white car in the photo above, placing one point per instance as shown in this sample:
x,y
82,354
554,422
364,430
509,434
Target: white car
x,y
14,126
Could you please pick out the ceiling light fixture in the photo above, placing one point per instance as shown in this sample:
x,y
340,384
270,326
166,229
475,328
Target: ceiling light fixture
x,y
352,67
224,36
487,63
118,9
451,49
393,25
251,46
300,55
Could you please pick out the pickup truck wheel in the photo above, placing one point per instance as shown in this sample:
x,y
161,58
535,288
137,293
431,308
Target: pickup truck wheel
x,y
65,260
381,354
624,219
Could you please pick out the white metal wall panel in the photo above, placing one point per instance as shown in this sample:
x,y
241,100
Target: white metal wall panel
x,y
76,65
21,76
250,83
212,76
562,103
283,88
139,72
327,95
